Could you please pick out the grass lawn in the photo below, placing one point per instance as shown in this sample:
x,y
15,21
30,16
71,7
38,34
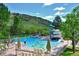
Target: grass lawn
x,y
68,52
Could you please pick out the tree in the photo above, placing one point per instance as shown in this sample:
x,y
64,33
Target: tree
x,y
14,28
71,26
57,22
4,19
48,46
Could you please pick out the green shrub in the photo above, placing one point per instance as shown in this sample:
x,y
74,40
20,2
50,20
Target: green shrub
x,y
3,36
44,32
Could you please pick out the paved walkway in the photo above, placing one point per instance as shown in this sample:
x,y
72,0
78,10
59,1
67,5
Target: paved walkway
x,y
10,52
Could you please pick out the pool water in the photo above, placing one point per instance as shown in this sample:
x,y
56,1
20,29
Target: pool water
x,y
33,42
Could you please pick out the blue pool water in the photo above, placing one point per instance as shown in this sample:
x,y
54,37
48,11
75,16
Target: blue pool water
x,y
33,42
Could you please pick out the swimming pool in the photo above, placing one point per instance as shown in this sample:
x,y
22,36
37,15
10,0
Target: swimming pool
x,y
33,42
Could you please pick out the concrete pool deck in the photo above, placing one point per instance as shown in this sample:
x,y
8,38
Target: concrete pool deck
x,y
12,51
39,52
58,49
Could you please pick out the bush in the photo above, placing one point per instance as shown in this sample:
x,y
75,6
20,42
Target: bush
x,y
45,33
2,36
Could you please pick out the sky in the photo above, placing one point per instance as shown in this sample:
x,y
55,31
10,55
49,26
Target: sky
x,y
46,11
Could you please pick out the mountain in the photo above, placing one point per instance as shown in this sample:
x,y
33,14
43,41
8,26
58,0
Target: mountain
x,y
33,19
16,24
30,24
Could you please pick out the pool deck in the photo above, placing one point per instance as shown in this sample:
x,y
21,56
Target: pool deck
x,y
38,52
56,51
12,51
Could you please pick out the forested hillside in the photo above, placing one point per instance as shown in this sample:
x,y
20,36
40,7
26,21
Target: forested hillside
x,y
17,24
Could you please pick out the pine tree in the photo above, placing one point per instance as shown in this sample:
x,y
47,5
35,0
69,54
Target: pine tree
x,y
57,22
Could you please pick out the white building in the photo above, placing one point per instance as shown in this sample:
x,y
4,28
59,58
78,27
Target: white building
x,y
55,34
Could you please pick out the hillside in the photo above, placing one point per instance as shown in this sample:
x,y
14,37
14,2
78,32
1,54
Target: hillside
x,y
33,19
31,24
12,24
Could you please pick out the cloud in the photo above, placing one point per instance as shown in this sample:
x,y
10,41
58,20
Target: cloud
x,y
50,18
46,4
59,13
63,19
67,13
59,8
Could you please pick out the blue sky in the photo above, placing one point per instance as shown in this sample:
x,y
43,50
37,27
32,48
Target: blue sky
x,y
46,11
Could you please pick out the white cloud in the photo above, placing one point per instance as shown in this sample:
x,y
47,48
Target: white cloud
x,y
50,18
47,17
59,13
45,4
63,19
59,8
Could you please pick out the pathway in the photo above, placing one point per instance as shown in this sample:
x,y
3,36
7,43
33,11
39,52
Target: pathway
x,y
9,51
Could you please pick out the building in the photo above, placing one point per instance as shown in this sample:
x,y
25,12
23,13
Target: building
x,y
55,34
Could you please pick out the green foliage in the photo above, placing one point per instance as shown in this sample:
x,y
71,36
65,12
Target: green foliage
x,y
4,19
29,24
48,46
14,29
68,52
45,32
57,22
12,24
71,25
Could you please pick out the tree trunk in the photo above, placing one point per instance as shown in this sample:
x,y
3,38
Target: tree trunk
x,y
73,45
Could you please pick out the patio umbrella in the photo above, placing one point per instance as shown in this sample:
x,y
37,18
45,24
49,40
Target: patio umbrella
x,y
19,43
